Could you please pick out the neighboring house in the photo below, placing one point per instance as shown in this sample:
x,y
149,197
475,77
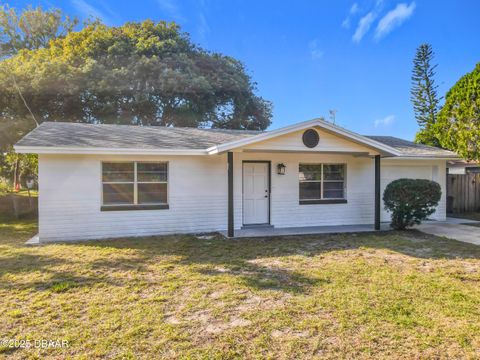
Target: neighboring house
x,y
462,167
101,181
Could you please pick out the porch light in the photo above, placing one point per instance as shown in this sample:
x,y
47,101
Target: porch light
x,y
281,169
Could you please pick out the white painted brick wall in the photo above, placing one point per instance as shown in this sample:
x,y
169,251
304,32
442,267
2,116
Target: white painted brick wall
x,y
70,195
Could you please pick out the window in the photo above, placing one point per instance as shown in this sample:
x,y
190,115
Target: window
x,y
322,183
130,185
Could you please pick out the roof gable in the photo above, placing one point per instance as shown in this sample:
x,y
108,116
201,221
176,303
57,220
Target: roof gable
x,y
293,142
340,134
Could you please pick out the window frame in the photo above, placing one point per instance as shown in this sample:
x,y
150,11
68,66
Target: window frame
x,y
322,180
135,205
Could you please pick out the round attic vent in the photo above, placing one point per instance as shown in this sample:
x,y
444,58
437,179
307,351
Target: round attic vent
x,y
310,138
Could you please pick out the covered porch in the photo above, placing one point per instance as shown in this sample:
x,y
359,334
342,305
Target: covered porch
x,y
281,195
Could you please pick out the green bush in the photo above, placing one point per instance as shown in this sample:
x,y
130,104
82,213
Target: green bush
x,y
410,201
5,187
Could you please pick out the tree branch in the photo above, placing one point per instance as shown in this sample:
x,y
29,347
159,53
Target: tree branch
x,y
23,99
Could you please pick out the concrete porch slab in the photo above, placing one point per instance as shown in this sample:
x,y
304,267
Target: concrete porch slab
x,y
35,240
306,230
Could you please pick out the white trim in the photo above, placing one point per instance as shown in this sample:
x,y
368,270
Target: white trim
x,y
388,151
426,158
104,151
134,183
268,165
322,180
300,126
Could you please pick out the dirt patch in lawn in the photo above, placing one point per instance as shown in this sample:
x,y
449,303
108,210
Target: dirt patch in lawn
x,y
373,295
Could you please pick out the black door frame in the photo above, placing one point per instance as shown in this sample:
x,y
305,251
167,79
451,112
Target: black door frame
x,y
269,162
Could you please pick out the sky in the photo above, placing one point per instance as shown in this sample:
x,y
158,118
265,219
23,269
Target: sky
x,y
310,57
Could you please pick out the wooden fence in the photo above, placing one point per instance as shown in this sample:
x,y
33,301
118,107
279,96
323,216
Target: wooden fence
x,y
463,193
17,205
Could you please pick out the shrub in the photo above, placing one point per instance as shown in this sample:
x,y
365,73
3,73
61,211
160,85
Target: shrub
x,y
410,201
5,187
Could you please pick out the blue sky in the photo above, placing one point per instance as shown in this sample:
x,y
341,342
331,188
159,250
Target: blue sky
x,y
312,56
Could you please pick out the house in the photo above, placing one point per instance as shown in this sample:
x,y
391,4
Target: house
x,y
103,181
462,167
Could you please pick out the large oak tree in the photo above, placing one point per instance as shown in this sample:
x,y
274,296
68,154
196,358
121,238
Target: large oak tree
x,y
147,73
31,28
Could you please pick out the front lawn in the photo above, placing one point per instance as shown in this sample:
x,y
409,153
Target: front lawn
x,y
395,295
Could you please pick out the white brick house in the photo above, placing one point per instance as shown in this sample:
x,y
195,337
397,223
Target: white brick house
x,y
103,181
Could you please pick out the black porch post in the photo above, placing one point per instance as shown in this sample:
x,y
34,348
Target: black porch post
x,y
377,192
230,194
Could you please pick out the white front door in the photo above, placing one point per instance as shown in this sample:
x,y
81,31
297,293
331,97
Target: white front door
x,y
256,196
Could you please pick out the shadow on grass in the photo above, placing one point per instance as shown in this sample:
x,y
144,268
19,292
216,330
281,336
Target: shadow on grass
x,y
39,273
261,277
20,262
6,350
219,257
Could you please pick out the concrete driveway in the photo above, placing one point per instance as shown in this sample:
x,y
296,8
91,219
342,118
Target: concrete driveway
x,y
453,228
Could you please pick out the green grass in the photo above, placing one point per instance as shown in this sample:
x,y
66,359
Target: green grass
x,y
395,295
33,193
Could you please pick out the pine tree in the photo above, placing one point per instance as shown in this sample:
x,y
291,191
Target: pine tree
x,y
423,95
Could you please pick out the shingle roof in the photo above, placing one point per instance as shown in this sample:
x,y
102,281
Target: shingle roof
x,y
409,148
77,135
62,134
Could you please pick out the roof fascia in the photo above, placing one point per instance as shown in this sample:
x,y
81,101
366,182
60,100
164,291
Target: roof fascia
x,y
304,125
422,158
105,151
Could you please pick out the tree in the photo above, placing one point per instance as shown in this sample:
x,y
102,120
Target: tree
x,y
139,73
31,29
411,201
423,95
20,166
458,126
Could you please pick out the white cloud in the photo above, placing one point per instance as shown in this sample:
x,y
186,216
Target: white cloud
x,y
90,11
171,9
202,25
353,10
363,26
315,51
202,28
393,19
386,121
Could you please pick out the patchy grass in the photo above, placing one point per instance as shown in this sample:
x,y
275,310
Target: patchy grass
x,y
33,193
395,295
